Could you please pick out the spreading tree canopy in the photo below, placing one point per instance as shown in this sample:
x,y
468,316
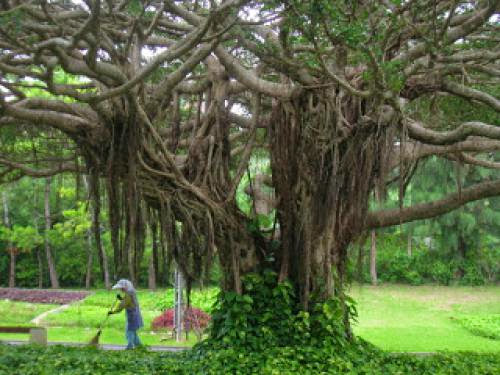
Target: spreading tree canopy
x,y
165,103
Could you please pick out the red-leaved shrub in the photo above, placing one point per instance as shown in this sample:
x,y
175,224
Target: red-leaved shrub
x,y
194,318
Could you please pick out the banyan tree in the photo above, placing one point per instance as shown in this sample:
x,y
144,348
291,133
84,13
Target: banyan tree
x,y
164,104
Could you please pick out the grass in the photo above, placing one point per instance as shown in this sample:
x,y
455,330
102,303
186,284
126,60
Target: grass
x,y
424,318
393,317
14,313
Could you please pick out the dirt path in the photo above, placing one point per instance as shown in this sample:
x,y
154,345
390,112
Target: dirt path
x,y
42,316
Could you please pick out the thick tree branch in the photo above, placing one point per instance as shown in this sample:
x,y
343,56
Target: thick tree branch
x,y
181,48
469,93
413,151
462,26
31,172
387,218
174,78
467,159
250,79
67,123
420,133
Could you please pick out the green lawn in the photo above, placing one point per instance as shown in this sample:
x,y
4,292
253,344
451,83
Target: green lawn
x,y
423,318
393,317
15,313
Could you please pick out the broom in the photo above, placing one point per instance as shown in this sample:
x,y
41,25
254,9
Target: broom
x,y
95,340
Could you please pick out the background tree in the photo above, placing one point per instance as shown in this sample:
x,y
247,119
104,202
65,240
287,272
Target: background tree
x,y
464,230
22,240
174,97
10,248
67,240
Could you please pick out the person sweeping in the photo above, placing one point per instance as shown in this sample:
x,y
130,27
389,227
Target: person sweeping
x,y
130,303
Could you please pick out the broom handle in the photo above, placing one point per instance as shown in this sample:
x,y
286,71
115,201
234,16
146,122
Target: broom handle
x,y
107,315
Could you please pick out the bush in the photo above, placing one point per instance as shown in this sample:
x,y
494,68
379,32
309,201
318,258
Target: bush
x,y
194,318
485,326
398,268
267,314
304,360
472,275
428,266
438,272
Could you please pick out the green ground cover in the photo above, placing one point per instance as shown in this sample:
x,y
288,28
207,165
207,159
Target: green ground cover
x,y
393,317
33,360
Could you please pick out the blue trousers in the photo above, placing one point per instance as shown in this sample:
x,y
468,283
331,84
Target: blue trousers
x,y
132,339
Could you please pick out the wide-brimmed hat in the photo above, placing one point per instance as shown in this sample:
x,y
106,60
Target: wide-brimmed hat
x,y
124,284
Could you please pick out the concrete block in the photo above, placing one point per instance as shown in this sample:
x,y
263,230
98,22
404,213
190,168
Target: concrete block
x,y
38,336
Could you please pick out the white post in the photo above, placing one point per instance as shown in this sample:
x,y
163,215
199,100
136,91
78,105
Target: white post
x,y
178,305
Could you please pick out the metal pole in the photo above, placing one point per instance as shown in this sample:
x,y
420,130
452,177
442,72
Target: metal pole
x,y
178,311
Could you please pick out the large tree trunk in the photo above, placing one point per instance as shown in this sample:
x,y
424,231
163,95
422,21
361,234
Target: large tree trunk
x,y
323,172
54,280
238,254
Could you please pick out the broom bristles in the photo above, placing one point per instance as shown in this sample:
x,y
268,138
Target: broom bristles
x,y
95,340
